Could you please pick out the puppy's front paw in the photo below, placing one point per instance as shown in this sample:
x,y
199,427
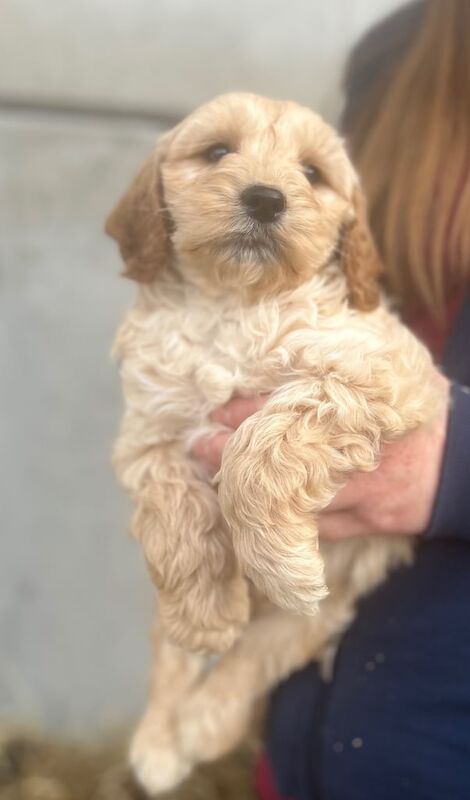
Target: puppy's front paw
x,y
156,761
267,498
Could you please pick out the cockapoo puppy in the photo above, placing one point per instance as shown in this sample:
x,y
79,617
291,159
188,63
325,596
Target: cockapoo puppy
x,y
246,233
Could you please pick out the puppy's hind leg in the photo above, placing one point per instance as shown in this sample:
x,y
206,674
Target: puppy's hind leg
x,y
155,755
217,712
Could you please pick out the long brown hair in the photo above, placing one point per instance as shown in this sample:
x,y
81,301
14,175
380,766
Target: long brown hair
x,y
407,118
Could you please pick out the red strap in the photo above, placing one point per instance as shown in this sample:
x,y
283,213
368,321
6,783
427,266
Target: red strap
x,y
264,781
435,334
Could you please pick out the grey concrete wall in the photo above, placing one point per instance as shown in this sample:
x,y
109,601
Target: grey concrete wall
x,y
75,602
174,54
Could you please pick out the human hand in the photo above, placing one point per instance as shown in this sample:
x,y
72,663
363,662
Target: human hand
x,y
396,498
209,449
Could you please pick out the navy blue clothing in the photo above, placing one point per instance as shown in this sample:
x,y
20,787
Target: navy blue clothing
x,y
394,724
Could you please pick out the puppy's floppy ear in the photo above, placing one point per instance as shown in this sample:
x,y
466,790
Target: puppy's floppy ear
x,y
359,258
139,223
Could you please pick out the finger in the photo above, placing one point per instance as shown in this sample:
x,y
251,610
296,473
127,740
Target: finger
x,y
359,486
238,409
209,449
340,525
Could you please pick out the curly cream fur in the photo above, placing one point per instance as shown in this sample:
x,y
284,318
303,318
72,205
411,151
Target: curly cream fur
x,y
225,308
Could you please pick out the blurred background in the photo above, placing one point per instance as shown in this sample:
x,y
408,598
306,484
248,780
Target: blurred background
x,y
86,86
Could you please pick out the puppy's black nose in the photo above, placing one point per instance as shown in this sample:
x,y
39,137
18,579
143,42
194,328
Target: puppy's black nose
x,y
263,203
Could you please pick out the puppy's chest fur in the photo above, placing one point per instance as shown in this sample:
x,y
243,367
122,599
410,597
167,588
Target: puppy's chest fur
x,y
182,355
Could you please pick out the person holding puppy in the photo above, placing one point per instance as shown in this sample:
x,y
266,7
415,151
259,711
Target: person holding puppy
x,y
394,721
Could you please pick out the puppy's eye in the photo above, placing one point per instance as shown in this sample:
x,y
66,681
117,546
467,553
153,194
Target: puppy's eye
x,y
216,152
312,174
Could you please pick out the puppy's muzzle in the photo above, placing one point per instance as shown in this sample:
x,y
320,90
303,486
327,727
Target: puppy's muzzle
x,y
263,203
